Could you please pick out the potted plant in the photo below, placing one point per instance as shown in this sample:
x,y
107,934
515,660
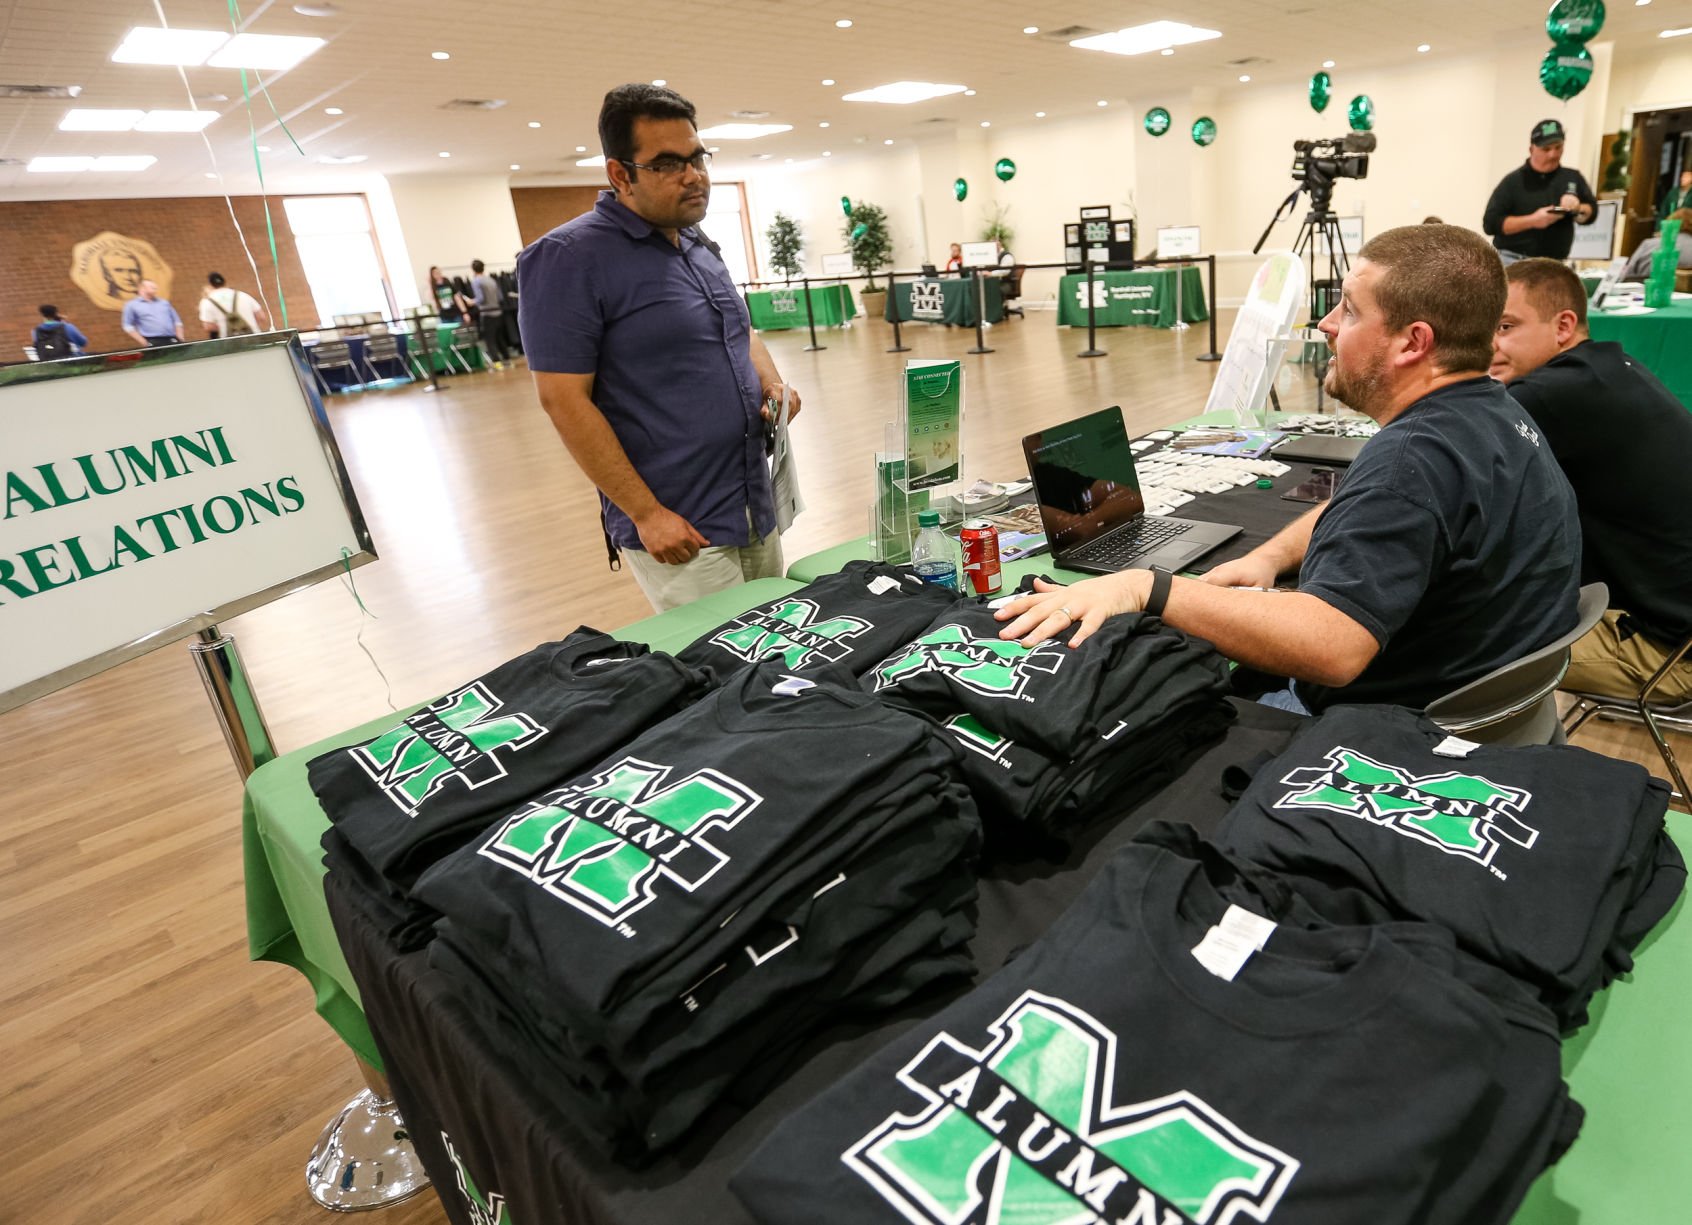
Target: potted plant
x,y
997,226
785,241
871,245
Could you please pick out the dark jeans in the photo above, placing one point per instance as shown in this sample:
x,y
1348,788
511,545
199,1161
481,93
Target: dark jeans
x,y
492,328
159,342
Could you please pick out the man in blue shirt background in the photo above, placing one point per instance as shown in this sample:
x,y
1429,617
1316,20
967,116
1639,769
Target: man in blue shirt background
x,y
57,338
645,359
150,319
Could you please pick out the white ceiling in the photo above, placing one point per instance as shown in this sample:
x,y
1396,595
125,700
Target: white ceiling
x,y
552,62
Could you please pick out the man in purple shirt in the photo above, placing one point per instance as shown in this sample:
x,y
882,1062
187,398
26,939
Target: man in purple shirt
x,y
645,359
150,319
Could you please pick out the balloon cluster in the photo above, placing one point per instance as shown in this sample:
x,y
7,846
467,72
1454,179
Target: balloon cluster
x,y
1567,67
1360,114
1158,121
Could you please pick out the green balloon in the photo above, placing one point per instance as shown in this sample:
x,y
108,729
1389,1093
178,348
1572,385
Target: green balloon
x,y
1320,84
1204,131
1361,113
1575,21
960,189
846,205
859,230
1005,169
1565,70
1157,121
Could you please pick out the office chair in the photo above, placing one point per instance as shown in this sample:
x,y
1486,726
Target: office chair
x,y
1517,704
464,340
1640,709
1010,289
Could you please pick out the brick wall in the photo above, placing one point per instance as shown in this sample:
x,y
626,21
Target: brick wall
x,y
193,235
540,209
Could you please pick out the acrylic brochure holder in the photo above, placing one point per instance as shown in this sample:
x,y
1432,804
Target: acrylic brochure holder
x,y
920,464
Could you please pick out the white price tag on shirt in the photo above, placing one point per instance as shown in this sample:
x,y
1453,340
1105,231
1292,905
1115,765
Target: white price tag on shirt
x,y
1454,746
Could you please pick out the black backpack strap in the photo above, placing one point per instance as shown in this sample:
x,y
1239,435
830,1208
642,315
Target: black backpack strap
x,y
612,557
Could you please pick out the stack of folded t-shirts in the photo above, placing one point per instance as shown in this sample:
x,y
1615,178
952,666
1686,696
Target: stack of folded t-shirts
x,y
781,853
1055,736
399,802
1188,1043
852,618
1548,862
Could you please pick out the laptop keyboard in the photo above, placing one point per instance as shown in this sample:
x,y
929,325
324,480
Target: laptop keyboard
x,y
1120,548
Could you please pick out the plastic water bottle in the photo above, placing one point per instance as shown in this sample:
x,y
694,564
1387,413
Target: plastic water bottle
x,y
932,556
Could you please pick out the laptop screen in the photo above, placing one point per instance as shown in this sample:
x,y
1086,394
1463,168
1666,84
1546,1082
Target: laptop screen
x,y
1083,473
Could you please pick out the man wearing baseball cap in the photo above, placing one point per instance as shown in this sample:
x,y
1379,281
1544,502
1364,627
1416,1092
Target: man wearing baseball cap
x,y
1534,208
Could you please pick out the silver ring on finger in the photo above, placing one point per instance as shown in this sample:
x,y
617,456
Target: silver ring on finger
x,y
1067,614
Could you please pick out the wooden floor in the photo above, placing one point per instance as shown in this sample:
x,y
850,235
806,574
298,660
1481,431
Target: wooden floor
x,y
148,1071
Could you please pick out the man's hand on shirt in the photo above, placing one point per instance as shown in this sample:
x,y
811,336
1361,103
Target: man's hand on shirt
x,y
1247,571
772,395
669,538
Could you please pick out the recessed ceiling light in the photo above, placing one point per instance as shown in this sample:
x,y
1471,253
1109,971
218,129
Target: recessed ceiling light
x,y
787,161
1327,63
1153,36
843,24
743,131
1167,51
1639,4
828,80
660,82
581,148
1102,102
1424,48
317,10
826,153
597,159
969,93
132,163
443,153
1244,77
901,93
1676,33
515,166
534,123
1030,29
209,174
714,149
272,51
83,119
176,121
58,165
823,124
264,148
152,45
1039,114
348,159
440,55
333,110
986,123
886,142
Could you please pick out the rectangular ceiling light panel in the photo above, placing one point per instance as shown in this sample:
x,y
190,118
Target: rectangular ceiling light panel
x,y
86,120
270,51
110,164
1153,36
176,121
743,131
152,45
903,93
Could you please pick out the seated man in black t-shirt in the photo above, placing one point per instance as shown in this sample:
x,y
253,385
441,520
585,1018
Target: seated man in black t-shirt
x,y
1625,443
1451,546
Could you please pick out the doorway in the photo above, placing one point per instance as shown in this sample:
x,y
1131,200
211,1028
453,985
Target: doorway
x,y
1662,148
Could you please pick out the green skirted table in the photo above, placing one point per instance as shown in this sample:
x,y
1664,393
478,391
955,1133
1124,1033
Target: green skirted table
x,y
1141,298
949,300
1661,341
774,310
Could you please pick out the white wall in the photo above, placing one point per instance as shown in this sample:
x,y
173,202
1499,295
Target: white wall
x,y
810,192
1658,78
452,220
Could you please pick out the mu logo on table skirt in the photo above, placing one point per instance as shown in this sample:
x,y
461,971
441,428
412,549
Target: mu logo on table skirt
x,y
485,1208
928,300
1026,1131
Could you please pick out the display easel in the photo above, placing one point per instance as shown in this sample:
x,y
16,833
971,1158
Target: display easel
x,y
905,479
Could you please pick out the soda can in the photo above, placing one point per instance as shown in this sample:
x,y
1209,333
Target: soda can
x,y
980,541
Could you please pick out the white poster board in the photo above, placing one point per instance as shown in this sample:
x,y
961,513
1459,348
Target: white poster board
x,y
150,496
1177,241
1243,379
837,263
1598,240
980,254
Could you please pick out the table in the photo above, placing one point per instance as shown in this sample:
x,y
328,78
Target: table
x,y
774,310
1660,341
1141,298
948,300
339,379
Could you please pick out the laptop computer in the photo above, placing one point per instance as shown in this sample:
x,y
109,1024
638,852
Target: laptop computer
x,y
1091,507
1319,449
930,270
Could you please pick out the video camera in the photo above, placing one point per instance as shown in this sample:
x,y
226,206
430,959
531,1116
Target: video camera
x,y
1317,164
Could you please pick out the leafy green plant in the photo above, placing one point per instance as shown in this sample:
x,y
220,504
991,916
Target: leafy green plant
x,y
872,246
998,226
786,240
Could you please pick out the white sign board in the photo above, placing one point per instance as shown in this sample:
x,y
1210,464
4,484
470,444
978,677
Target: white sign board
x,y
837,264
143,496
1351,234
1254,354
980,254
1177,241
1598,240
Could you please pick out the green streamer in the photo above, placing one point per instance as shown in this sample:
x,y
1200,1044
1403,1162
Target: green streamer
x,y
346,565
236,21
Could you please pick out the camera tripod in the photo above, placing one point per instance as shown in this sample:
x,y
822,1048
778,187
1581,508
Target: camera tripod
x,y
1324,293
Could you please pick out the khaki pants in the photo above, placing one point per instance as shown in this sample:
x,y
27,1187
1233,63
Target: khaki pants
x,y
713,569
1603,662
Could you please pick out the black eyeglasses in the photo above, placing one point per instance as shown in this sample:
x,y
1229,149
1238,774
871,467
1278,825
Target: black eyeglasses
x,y
669,166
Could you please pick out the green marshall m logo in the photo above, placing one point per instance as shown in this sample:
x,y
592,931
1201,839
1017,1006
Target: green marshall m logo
x,y
484,1209
603,846
1024,1132
460,736
792,631
1461,814
977,737
991,667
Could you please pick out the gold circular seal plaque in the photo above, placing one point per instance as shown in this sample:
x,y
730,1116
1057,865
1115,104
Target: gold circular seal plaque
x,y
110,267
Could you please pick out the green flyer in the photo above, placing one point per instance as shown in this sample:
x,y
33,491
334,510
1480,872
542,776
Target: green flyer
x,y
933,414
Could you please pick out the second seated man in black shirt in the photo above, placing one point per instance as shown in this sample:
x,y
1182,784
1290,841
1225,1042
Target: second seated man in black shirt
x,y
1451,546
1625,443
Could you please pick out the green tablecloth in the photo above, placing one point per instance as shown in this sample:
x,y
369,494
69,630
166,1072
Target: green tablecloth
x,y
1142,298
1660,341
775,309
944,300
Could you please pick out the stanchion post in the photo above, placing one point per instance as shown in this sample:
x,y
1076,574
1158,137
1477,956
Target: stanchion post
x,y
1092,349
980,312
422,334
810,316
1210,306
899,346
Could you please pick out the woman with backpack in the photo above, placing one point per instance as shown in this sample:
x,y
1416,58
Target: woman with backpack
x,y
57,338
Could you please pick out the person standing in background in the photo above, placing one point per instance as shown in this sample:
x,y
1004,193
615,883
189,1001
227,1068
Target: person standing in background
x,y
1534,208
447,301
1676,198
954,261
490,313
150,319
57,338
226,311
